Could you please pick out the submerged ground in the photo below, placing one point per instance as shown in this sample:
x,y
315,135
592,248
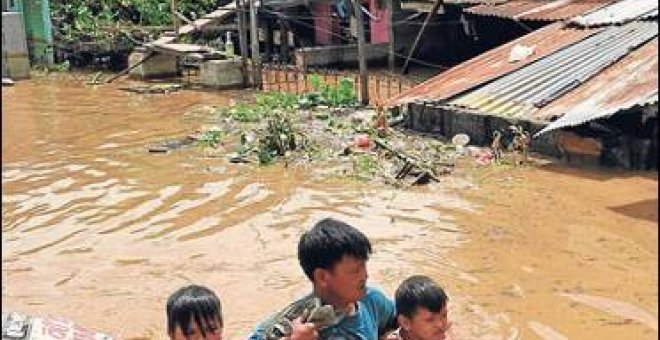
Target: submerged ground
x,y
97,230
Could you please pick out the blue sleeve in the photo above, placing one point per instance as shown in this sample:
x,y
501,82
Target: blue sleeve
x,y
382,309
258,331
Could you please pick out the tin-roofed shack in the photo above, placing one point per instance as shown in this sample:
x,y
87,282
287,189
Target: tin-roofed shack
x,y
581,88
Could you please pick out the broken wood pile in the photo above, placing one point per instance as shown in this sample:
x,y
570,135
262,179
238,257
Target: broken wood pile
x,y
333,142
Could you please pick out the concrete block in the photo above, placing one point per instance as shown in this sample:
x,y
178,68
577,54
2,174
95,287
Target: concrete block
x,y
342,54
16,67
160,65
221,73
15,58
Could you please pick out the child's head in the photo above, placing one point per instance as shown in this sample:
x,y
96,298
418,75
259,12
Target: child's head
x,y
194,312
333,255
421,307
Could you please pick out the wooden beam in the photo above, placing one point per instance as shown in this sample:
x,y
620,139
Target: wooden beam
x,y
254,39
437,5
362,53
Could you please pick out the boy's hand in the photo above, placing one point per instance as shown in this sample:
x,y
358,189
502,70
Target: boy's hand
x,y
389,336
303,331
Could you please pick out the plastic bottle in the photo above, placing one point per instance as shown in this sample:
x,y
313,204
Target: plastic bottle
x,y
229,46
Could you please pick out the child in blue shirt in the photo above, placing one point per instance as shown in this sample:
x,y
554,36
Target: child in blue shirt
x,y
334,257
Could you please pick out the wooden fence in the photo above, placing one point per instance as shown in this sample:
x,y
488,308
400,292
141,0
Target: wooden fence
x,y
288,78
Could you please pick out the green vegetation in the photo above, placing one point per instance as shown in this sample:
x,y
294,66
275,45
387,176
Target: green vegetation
x,y
211,138
342,95
83,29
276,114
365,167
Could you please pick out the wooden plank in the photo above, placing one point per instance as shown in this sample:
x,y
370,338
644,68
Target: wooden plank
x,y
218,14
199,24
180,48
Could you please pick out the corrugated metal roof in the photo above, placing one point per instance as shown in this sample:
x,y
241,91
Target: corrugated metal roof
x,y
492,64
474,2
520,93
650,15
618,13
633,81
545,10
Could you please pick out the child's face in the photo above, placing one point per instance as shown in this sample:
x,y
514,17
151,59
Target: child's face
x,y
348,279
212,329
426,325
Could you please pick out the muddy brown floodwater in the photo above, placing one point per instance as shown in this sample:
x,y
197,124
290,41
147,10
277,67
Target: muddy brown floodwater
x,y
97,230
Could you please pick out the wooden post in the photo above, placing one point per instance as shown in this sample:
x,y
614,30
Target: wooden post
x,y
390,54
284,42
242,38
175,18
254,39
269,38
437,4
362,53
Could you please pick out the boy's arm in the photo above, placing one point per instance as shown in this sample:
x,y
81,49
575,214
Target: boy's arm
x,y
256,334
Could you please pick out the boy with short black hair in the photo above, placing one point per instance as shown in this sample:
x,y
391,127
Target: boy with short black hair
x,y
333,256
421,306
194,312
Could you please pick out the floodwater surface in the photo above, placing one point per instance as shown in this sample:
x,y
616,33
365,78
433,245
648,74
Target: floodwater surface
x,y
99,231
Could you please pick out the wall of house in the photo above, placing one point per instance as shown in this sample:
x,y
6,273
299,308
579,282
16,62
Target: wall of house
x,y
627,140
380,27
323,23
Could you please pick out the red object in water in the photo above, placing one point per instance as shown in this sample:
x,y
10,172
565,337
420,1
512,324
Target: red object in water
x,y
362,141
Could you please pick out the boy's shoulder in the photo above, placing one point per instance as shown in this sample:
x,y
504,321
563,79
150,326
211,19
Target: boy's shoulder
x,y
379,305
375,294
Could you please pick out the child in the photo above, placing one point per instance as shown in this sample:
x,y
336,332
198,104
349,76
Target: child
x,y
334,257
421,307
194,312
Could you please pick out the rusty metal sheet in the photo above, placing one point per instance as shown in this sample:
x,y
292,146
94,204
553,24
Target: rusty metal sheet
x,y
539,84
492,64
618,13
632,81
539,10
474,2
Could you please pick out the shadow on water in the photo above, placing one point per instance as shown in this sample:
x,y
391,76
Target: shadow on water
x,y
645,210
597,173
